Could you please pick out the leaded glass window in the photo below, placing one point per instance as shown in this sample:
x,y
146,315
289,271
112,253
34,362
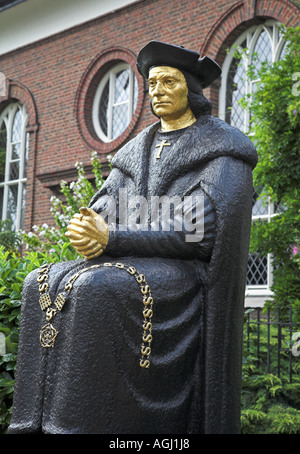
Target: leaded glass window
x,y
115,102
13,162
263,43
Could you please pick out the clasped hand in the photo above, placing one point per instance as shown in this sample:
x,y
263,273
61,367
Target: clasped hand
x,y
88,233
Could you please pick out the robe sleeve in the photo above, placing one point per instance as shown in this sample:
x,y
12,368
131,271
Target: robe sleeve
x,y
187,231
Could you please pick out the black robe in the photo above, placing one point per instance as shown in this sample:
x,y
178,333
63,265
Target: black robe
x,y
91,381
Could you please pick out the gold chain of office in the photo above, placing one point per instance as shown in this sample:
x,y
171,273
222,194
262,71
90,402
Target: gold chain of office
x,y
48,332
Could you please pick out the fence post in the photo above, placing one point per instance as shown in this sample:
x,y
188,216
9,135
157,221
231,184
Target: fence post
x,y
258,336
279,342
248,332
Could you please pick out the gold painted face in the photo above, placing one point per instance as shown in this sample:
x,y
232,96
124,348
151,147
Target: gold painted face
x,y
168,92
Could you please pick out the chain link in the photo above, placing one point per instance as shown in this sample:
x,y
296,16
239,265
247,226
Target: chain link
x,y
48,332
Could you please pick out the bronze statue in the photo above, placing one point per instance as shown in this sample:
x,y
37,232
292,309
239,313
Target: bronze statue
x,y
144,335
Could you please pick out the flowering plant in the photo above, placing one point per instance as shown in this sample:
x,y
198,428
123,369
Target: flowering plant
x,y
296,253
78,193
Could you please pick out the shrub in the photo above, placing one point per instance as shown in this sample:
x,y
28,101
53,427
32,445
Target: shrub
x,y
9,239
13,270
270,404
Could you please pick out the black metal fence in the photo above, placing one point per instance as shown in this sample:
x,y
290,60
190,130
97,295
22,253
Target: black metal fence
x,y
273,339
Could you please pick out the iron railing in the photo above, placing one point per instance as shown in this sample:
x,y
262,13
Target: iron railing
x,y
273,338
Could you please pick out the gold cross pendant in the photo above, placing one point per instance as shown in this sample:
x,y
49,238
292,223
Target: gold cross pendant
x,y
161,146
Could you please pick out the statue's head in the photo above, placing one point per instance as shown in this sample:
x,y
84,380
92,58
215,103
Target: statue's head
x,y
190,74
168,92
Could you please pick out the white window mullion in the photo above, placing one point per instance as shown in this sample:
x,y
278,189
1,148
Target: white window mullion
x,y
8,144
23,148
274,41
131,95
7,161
5,198
111,101
19,205
22,168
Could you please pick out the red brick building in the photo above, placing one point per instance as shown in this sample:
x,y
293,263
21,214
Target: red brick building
x,y
69,85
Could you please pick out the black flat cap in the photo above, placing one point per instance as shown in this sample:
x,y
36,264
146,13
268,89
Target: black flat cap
x,y
157,53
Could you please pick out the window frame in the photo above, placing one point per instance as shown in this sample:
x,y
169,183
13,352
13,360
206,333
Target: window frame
x,y
110,76
264,290
7,117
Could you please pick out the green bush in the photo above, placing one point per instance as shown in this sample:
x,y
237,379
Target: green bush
x,y
9,239
13,270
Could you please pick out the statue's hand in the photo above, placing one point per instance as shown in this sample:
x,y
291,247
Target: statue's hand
x,y
88,233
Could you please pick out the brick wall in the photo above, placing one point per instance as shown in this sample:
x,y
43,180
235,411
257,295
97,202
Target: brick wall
x,y
56,71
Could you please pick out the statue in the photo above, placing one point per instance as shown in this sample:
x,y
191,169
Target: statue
x,y
144,334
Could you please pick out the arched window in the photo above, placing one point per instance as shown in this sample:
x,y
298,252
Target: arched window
x,y
13,161
263,43
115,102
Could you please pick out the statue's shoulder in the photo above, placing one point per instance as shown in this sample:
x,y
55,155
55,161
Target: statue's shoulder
x,y
221,135
214,125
